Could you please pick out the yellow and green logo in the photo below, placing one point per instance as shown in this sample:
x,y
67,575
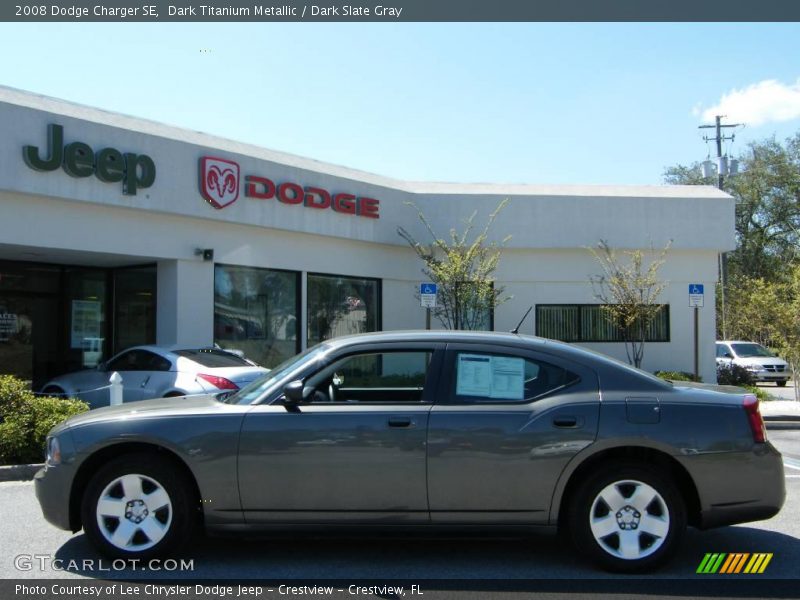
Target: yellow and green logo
x,y
723,563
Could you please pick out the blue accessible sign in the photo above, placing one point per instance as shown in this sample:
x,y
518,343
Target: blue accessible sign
x,y
696,295
427,295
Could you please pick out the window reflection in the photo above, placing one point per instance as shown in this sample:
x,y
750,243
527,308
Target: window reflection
x,y
340,306
255,310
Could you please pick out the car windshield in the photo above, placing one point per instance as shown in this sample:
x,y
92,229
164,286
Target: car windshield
x,y
214,358
256,389
751,350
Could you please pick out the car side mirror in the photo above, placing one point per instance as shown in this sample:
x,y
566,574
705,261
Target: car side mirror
x,y
101,366
727,355
294,393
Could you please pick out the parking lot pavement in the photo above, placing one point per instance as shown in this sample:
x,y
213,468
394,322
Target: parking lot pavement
x,y
779,393
31,546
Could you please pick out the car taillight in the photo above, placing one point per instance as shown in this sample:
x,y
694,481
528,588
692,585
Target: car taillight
x,y
220,382
754,418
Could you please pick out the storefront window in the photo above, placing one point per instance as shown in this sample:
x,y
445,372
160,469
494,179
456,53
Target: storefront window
x,y
86,306
256,311
341,306
134,307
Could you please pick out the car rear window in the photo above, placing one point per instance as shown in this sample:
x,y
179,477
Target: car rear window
x,y
213,358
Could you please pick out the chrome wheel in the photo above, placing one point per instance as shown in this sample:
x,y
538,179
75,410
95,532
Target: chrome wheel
x,y
629,519
134,512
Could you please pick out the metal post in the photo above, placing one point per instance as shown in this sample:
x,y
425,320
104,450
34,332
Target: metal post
x,y
115,391
696,343
428,319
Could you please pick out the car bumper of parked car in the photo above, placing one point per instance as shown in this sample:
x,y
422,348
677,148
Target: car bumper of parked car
x,y
52,484
769,376
758,492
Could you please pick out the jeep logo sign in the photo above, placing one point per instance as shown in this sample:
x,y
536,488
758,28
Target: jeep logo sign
x,y
135,171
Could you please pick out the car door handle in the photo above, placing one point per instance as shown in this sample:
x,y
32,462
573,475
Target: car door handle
x,y
567,422
400,422
146,379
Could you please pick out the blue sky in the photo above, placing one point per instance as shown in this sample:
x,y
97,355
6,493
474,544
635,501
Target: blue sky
x,y
521,102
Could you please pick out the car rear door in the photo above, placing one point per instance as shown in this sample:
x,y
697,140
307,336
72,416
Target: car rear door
x,y
355,453
506,423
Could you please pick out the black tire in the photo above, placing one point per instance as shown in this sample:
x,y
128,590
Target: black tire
x,y
633,522
173,395
155,475
780,383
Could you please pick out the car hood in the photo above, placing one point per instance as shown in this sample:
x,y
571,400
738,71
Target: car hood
x,y
178,406
761,360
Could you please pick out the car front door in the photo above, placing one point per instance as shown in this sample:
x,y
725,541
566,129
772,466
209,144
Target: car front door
x,y
134,366
508,422
354,453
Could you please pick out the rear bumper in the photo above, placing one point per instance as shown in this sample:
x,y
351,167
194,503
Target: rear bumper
x,y
756,492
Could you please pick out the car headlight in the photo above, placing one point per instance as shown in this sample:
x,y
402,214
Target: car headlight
x,y
53,451
753,367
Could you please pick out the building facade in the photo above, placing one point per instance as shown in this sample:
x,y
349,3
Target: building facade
x,y
116,231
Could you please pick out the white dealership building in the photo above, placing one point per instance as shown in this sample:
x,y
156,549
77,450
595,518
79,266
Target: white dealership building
x,y
117,231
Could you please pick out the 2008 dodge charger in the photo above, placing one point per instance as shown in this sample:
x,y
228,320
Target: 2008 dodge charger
x,y
423,430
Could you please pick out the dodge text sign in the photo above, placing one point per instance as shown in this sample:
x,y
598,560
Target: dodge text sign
x,y
220,184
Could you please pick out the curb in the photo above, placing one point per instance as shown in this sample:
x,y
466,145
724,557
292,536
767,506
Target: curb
x,y
785,425
768,418
19,472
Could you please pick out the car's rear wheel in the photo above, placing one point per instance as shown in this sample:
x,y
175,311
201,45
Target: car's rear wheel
x,y
138,507
54,390
780,383
627,518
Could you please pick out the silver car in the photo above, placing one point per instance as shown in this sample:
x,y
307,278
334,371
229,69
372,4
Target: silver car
x,y
427,431
762,364
155,372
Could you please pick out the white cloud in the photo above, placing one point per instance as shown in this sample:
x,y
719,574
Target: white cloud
x,y
763,102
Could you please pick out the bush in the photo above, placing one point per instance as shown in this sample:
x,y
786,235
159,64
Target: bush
x,y
25,420
734,375
677,376
759,393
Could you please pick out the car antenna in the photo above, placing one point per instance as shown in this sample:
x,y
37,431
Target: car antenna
x,y
516,329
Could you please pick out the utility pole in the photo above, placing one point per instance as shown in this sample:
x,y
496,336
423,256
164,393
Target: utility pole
x,y
722,170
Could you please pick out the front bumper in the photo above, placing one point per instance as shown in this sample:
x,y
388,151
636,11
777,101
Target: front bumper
x,y
770,376
52,485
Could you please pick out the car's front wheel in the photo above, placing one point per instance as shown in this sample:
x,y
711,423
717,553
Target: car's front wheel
x,y
627,518
781,383
138,507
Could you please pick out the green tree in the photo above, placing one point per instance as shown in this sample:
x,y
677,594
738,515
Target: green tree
x,y
462,266
629,292
767,193
768,312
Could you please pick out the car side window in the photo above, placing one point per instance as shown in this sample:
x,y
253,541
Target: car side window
x,y
374,377
139,360
723,351
124,362
489,378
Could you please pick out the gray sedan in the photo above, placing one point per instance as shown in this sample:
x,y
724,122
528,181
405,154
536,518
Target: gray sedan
x,y
425,430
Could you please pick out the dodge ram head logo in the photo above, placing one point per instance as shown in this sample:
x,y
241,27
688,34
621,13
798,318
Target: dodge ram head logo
x,y
219,181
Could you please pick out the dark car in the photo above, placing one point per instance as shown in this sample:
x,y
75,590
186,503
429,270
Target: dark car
x,y
427,430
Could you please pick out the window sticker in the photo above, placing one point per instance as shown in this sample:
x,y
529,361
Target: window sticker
x,y
490,376
508,378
